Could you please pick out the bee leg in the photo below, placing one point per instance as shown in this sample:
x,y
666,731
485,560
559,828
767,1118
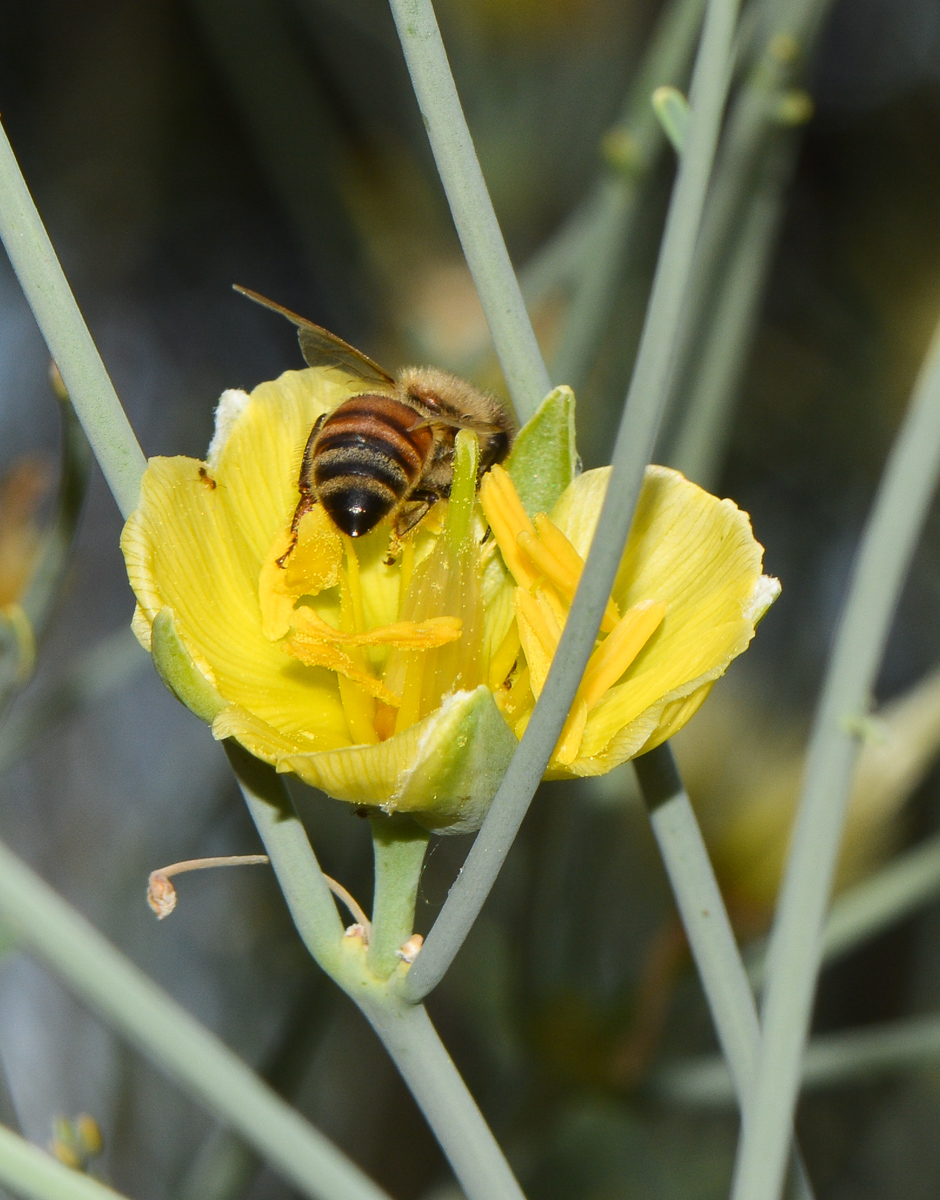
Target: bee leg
x,y
307,497
419,505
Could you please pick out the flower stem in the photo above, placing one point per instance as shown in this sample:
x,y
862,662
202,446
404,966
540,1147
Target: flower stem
x,y
471,206
910,1044
639,425
399,844
41,277
887,547
301,880
665,62
705,429
906,884
415,1048
405,1029
706,923
31,1172
173,1040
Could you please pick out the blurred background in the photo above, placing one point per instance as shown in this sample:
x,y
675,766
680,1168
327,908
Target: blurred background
x,y
177,146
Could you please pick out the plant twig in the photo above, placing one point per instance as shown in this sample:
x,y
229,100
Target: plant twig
x,y
706,923
637,434
173,1040
830,1061
404,1029
887,546
90,389
641,138
471,207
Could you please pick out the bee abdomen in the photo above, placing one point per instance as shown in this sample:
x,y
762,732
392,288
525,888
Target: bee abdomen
x,y
369,454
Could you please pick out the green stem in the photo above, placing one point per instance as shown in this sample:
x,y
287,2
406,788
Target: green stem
x,y
783,36
635,440
41,277
794,957
173,1040
706,923
705,430
905,885
309,899
470,205
830,1061
399,844
405,1030
32,1173
415,1048
665,62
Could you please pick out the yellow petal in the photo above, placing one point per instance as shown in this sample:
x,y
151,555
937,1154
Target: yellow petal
x,y
444,770
697,555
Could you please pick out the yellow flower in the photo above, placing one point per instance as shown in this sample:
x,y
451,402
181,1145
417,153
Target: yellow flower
x,y
406,683
686,601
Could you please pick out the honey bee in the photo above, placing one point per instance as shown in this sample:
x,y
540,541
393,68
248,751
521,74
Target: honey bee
x,y
387,453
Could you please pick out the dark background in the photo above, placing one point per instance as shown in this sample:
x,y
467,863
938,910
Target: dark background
x,y
174,148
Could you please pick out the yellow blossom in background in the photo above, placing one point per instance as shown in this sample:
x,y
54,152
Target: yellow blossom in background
x,y
405,682
744,774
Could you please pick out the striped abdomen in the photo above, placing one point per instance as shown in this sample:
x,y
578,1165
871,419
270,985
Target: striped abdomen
x,y
366,458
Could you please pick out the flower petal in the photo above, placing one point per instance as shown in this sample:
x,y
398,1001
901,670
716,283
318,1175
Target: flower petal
x,y
443,770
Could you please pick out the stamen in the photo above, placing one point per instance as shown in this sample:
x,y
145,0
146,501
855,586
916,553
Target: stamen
x,y
554,555
605,666
405,571
507,518
161,894
355,585
502,661
617,652
570,741
409,635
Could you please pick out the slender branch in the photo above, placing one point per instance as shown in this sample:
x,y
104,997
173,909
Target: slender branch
x,y
470,205
415,1048
781,38
36,1175
295,864
887,548
702,439
66,334
641,135
635,440
830,1061
405,1030
399,844
905,885
706,923
173,1040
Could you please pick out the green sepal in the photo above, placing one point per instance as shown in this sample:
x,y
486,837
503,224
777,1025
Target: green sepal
x,y
443,770
544,458
176,668
461,764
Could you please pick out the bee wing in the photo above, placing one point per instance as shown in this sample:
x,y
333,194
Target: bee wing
x,y
457,423
321,348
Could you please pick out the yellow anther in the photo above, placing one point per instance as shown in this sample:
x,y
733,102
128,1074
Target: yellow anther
x,y
504,658
617,652
570,563
605,666
570,741
507,519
